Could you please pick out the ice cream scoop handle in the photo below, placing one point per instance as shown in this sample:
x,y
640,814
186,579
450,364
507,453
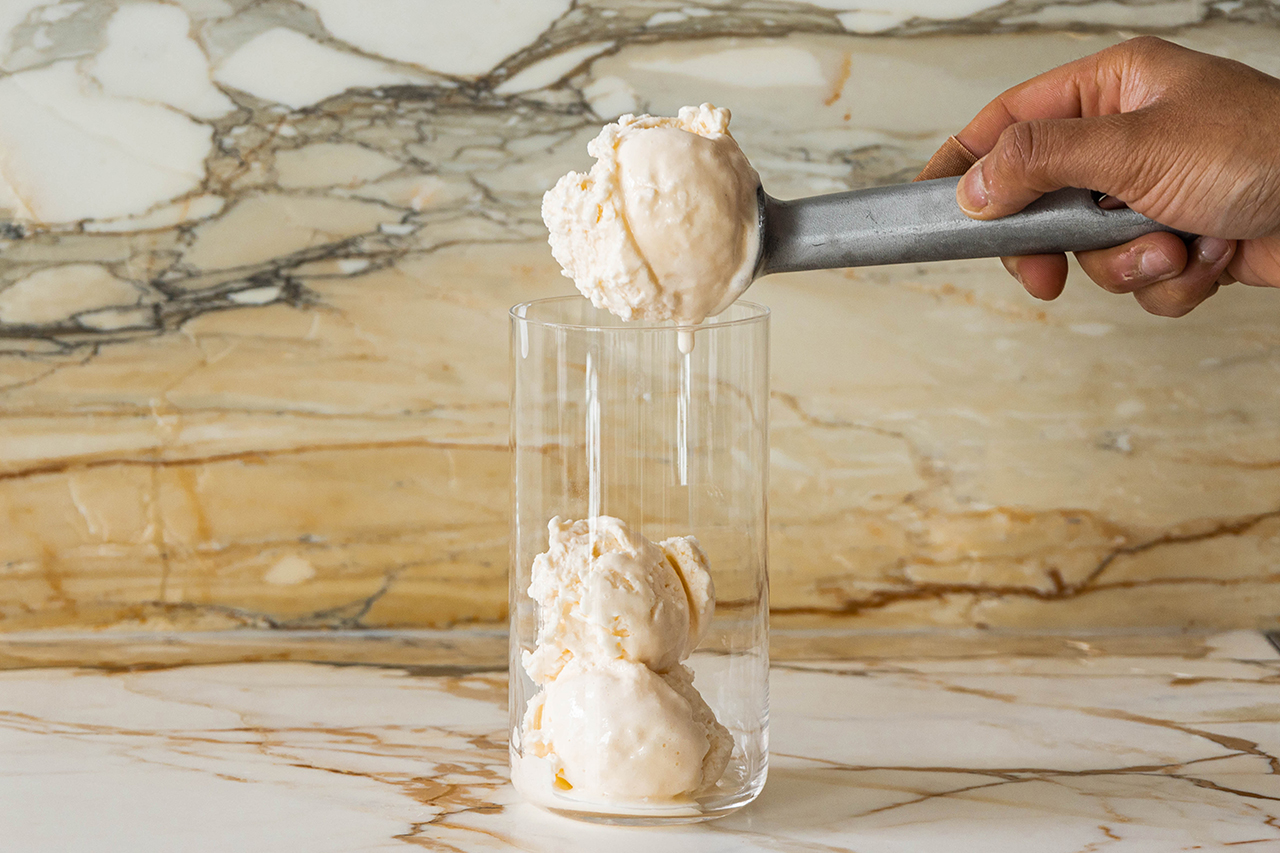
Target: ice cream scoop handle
x,y
921,221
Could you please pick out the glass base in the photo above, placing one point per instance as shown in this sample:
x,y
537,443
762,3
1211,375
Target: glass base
x,y
632,820
701,815
694,811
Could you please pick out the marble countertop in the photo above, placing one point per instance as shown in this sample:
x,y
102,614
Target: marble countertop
x,y
879,743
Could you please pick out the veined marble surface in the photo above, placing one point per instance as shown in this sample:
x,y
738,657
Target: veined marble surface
x,y
254,279
1052,744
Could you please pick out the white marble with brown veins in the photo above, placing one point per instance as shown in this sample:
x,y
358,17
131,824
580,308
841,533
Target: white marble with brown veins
x,y
258,256
983,744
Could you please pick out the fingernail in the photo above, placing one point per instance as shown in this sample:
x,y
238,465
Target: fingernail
x,y
973,190
1156,265
1213,249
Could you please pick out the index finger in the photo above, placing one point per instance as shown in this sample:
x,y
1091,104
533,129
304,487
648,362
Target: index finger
x,y
1085,87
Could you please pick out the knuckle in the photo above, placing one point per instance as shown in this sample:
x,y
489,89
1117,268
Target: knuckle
x,y
1022,149
1145,54
1116,270
1146,46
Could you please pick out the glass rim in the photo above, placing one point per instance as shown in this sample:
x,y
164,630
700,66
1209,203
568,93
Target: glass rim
x,y
758,313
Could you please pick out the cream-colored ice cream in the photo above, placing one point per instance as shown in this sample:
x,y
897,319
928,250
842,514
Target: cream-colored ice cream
x,y
618,719
620,732
666,225
617,596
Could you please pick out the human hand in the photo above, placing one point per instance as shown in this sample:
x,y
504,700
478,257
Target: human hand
x,y
1187,139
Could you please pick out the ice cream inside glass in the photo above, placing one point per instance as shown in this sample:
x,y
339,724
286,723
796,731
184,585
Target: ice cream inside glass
x,y
639,601
617,718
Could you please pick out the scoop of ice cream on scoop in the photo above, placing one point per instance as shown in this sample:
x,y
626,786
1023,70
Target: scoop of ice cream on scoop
x,y
611,594
665,226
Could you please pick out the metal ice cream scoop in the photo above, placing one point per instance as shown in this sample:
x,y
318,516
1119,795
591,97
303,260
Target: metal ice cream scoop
x,y
921,221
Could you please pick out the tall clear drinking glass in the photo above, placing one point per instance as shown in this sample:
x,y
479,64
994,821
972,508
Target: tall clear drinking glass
x,y
665,429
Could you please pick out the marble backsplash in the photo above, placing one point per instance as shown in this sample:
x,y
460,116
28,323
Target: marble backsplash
x,y
253,293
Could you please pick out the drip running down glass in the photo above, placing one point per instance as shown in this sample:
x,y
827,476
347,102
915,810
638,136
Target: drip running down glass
x,y
623,420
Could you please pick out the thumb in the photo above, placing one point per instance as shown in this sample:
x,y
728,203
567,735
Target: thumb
x,y
1031,158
